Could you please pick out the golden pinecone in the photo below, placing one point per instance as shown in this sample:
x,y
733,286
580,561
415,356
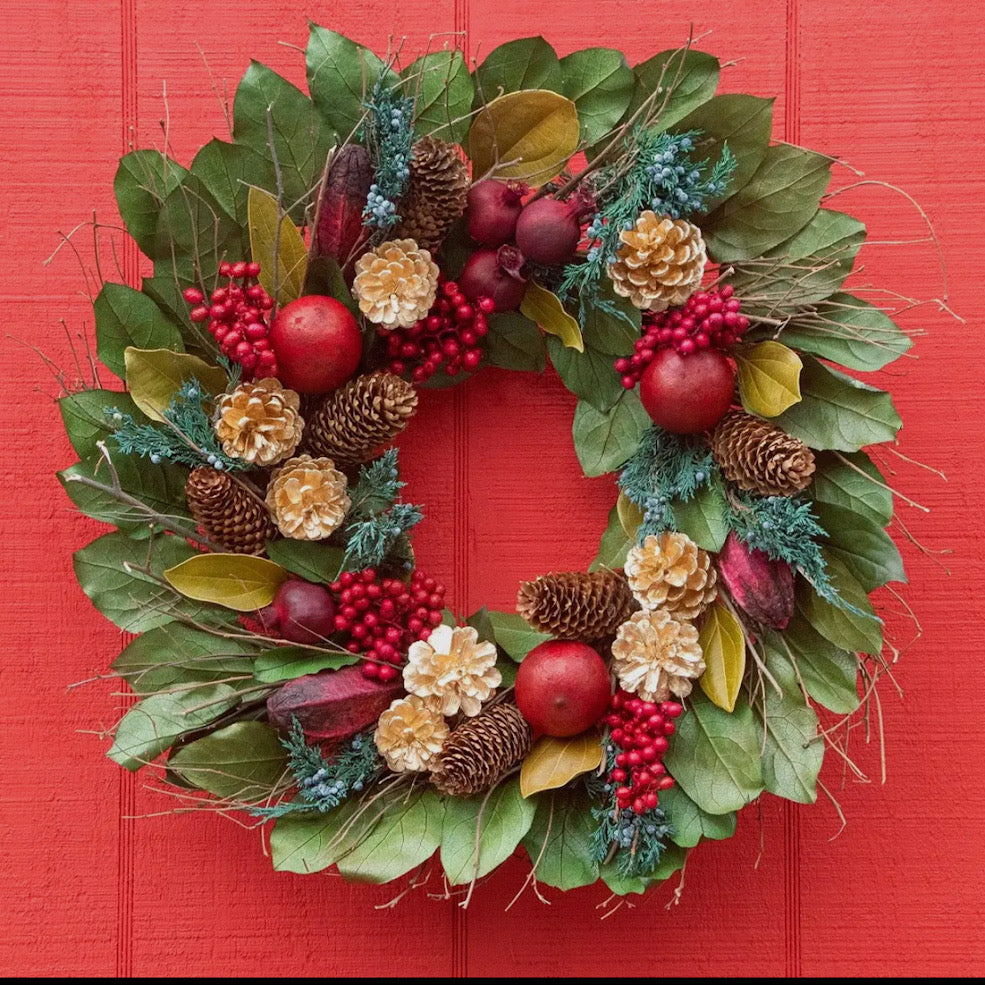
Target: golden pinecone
x,y
396,283
481,751
660,263
410,734
439,184
259,422
308,498
655,655
669,571
353,422
761,458
576,605
453,668
229,515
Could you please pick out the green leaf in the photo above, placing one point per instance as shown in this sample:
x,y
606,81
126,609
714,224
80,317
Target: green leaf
x,y
856,485
341,77
714,755
724,649
702,517
600,84
515,342
605,441
838,412
559,841
844,628
306,843
544,307
554,762
778,201
527,63
85,420
407,834
513,634
621,884
152,725
285,663
769,378
614,545
849,331
480,833
237,581
324,276
443,91
155,375
244,761
277,246
143,180
228,171
690,822
125,317
267,105
131,599
865,548
685,79
309,559
630,515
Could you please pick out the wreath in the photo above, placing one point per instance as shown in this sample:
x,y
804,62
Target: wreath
x,y
400,228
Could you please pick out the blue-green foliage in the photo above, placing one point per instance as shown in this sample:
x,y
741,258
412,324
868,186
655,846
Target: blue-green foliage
x,y
323,784
190,440
389,135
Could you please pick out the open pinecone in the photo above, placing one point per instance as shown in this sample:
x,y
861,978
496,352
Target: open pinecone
x,y
396,283
669,571
576,605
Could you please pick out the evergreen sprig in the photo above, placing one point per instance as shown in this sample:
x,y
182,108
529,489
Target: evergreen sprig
x,y
190,440
389,135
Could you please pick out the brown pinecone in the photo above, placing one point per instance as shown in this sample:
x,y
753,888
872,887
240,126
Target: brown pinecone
x,y
760,457
576,605
353,422
229,515
481,751
439,183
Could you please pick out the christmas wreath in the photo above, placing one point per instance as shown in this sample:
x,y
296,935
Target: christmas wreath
x,y
400,228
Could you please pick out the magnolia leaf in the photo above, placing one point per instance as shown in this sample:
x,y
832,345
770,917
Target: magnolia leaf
x,y
844,628
853,482
559,841
545,308
526,136
155,375
306,843
237,581
769,378
702,517
243,761
229,171
613,546
714,755
285,663
311,560
277,246
443,91
480,833
600,83
689,822
125,317
866,549
514,635
553,762
514,342
724,648
526,63
620,883
86,421
143,180
630,515
791,755
605,441
673,83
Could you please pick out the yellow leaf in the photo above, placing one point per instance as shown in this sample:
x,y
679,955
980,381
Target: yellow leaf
x,y
724,648
526,136
630,515
769,378
282,256
545,308
553,762
237,581
154,375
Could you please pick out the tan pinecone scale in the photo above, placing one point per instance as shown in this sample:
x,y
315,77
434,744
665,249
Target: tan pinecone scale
x,y
759,457
577,605
229,515
352,423
481,751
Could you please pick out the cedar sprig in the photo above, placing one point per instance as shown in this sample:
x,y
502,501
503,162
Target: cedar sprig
x,y
389,135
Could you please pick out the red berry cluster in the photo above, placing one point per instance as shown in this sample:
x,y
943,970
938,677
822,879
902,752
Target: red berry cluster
x,y
236,318
640,729
381,617
448,335
708,319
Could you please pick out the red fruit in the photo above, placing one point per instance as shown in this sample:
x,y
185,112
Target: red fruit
x,y
495,274
548,231
302,612
687,394
562,688
317,344
492,208
761,587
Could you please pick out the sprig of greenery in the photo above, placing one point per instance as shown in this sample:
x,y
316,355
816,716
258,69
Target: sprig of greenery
x,y
377,487
389,135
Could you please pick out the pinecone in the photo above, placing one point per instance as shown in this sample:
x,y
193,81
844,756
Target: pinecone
x,y
396,283
656,655
229,515
439,183
353,422
576,605
481,751
660,263
669,571
259,422
308,498
760,457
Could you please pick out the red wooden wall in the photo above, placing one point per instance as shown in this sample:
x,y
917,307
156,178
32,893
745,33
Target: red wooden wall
x,y
101,879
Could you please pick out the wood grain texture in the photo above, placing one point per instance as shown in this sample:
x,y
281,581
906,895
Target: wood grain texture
x,y
103,878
